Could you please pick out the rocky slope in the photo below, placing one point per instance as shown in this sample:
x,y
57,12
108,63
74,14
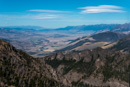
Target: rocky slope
x,y
18,69
90,68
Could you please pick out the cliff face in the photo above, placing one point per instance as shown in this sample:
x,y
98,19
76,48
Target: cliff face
x,y
18,69
97,67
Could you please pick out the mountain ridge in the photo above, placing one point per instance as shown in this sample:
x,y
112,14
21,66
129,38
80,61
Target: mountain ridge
x,y
99,38
18,69
90,68
123,45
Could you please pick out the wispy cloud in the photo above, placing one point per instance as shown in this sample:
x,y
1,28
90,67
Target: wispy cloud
x,y
31,16
102,9
43,16
48,11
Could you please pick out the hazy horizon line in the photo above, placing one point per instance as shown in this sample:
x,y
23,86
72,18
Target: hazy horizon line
x,y
61,27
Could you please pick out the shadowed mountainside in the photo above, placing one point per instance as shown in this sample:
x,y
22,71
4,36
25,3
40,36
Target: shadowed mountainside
x,y
123,45
18,69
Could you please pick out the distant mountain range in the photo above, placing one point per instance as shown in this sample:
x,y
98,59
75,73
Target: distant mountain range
x,y
125,28
21,28
113,27
68,29
75,29
85,28
39,41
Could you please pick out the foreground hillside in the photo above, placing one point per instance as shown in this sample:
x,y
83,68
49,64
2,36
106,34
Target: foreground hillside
x,y
90,68
18,69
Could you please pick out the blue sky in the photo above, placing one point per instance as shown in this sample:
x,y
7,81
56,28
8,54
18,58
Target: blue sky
x,y
61,13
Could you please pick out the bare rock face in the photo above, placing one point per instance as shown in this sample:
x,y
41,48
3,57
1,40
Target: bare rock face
x,y
83,55
60,56
97,67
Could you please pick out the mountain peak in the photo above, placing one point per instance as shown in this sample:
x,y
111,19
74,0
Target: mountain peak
x,y
6,47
